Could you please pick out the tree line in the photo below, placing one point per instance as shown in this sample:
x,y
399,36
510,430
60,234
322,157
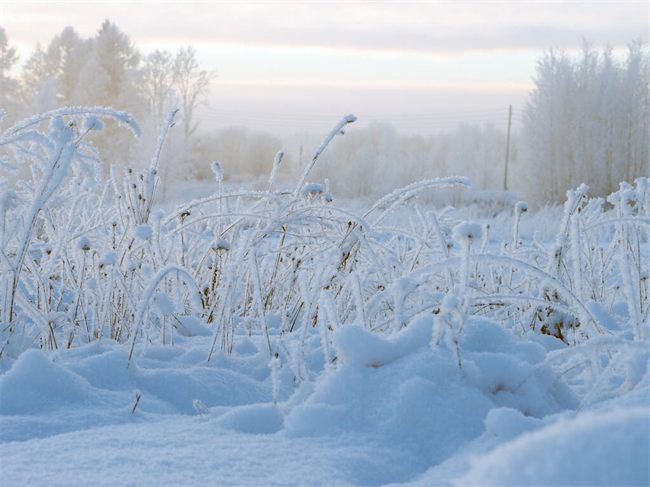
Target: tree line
x,y
108,69
586,120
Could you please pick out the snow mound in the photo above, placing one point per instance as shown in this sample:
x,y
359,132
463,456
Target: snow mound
x,y
610,448
35,384
511,370
46,393
190,326
355,343
507,423
398,391
403,389
256,419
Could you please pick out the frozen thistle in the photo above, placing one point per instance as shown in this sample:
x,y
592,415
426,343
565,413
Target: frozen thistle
x,y
83,243
312,190
92,122
521,207
466,233
218,171
109,258
222,244
143,232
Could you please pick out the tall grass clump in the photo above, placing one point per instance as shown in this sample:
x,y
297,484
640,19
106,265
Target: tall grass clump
x,y
87,258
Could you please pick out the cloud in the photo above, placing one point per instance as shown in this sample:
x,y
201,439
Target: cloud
x,y
431,27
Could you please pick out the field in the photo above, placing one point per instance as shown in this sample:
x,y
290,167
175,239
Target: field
x,y
281,337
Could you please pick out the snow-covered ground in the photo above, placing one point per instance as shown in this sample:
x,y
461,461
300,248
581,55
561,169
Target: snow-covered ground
x,y
279,337
394,410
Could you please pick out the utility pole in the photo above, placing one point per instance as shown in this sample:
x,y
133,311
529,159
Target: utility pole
x,y
505,172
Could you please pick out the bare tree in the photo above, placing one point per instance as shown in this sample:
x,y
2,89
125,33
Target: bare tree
x,y
192,84
159,74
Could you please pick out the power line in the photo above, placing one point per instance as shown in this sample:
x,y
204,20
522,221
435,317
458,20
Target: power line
x,y
226,111
233,117
312,121
466,114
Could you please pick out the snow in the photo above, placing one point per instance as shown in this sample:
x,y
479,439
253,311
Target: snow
x,y
190,326
123,117
394,410
254,419
521,207
34,385
83,243
312,189
110,258
592,449
466,233
222,244
92,122
163,303
144,232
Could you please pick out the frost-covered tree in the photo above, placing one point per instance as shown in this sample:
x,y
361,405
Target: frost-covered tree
x,y
71,70
115,61
587,120
50,77
9,85
38,84
107,69
109,77
67,55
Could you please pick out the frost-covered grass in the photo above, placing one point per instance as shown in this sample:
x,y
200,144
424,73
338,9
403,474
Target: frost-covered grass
x,y
280,312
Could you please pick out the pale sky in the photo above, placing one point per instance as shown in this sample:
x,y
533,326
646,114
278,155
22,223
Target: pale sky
x,y
300,65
